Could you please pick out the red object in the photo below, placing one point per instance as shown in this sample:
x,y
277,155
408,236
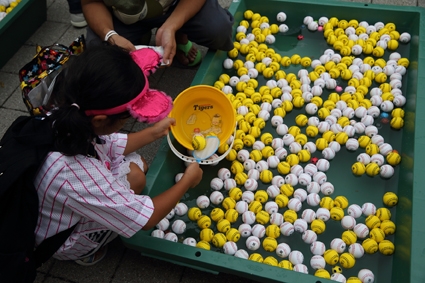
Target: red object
x,y
314,160
300,37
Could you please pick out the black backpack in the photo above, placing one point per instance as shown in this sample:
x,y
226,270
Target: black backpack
x,y
23,148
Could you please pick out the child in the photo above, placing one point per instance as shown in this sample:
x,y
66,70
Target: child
x,y
94,179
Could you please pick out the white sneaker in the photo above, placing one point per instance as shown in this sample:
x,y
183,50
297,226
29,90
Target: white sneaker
x,y
78,20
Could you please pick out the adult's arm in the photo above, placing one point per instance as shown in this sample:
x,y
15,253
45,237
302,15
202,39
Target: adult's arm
x,y
100,21
166,34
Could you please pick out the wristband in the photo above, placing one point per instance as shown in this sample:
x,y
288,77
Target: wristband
x,y
109,34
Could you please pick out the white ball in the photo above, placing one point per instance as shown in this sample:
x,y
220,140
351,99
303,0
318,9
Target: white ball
x,y
229,184
227,89
363,158
273,161
270,39
354,210
276,218
327,188
302,268
261,166
338,245
307,20
251,184
378,159
317,262
313,199
308,215
311,108
361,230
249,164
281,17
243,155
310,146
158,233
281,153
385,149
386,171
224,173
203,201
288,139
404,37
291,179
296,257
258,230
216,184
264,114
245,230
178,177
283,250
179,227
317,248
282,129
304,179
319,177
163,224
310,169
271,207
309,236
241,253
283,28
338,277
297,170
366,276
368,208
352,144
335,146
323,214
170,236
300,194
230,248
253,243
181,209
287,228
276,121
171,214
356,250
228,63
371,130
322,165
248,217
278,181
253,174
248,196
313,187
300,225
348,222
294,204
313,26
313,121
190,241
216,197
241,206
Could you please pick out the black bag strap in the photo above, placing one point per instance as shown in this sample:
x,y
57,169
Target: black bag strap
x,y
49,246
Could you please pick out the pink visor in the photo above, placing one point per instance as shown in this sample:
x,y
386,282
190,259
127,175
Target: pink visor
x,y
150,105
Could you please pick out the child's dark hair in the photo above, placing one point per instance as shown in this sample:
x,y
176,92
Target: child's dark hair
x,y
102,77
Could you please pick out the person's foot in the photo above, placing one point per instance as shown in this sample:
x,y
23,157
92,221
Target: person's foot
x,y
188,55
78,20
94,258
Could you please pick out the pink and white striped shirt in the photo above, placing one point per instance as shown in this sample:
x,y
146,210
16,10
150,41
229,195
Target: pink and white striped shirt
x,y
86,190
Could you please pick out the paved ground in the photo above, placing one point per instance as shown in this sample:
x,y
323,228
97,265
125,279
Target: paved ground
x,y
121,264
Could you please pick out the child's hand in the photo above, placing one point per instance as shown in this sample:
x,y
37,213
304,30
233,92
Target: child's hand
x,y
162,127
193,174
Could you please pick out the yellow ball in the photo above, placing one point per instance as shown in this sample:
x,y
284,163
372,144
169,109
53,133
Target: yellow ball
x,y
262,217
336,269
259,122
198,142
281,200
231,215
266,138
206,234
304,155
336,213
353,280
372,169
349,237
204,222
217,214
364,141
255,131
223,225
223,148
318,226
341,138
347,260
370,246
218,240
241,178
293,159
283,168
235,193
194,213
322,273
203,245
386,247
236,167
377,234
301,120
228,203
233,235
256,257
372,221
237,144
290,216
341,201
388,227
255,206
331,257
266,176
397,123
261,196
273,231
270,261
358,168
327,202
301,139
287,190
233,53
298,102
249,140
256,155
390,199
312,131
269,244
383,213
267,151
321,143
248,14
231,156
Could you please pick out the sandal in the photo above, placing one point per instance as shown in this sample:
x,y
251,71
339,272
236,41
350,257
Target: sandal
x,y
94,258
185,48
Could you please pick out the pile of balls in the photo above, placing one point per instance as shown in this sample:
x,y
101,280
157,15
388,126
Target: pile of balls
x,y
266,206
6,6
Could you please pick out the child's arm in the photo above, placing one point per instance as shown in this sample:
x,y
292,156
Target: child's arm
x,y
167,200
148,135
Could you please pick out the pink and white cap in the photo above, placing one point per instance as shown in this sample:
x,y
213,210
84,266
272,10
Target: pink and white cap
x,y
150,105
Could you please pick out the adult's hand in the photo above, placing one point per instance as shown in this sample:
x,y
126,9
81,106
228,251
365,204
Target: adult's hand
x,y
167,39
122,42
